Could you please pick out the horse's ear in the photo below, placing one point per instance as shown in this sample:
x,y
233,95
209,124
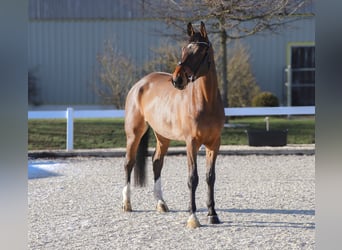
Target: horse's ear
x,y
203,31
191,30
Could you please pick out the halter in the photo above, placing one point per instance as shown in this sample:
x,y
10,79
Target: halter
x,y
207,44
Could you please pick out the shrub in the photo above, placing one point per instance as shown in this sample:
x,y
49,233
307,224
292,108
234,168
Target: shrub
x,y
265,99
242,86
33,90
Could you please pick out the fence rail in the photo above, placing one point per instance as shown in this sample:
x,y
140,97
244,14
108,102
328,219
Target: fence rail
x,y
70,114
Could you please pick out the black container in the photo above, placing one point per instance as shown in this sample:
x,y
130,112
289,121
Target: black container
x,y
274,138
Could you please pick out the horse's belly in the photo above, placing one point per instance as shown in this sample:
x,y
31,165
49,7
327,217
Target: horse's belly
x,y
167,129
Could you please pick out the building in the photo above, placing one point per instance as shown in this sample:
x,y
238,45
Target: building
x,y
65,37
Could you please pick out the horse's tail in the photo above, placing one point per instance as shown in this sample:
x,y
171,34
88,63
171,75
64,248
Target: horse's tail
x,y
140,166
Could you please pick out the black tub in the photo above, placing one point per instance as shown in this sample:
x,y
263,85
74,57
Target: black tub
x,y
274,138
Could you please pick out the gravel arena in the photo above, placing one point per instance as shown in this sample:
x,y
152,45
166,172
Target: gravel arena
x,y
263,202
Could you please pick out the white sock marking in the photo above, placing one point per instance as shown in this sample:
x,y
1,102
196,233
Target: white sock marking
x,y
126,193
158,194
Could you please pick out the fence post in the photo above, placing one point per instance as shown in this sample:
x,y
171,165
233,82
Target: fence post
x,y
70,129
289,85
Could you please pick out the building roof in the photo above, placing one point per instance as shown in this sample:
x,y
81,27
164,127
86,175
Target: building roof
x,y
86,9
106,9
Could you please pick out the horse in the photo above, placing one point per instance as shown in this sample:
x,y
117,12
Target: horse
x,y
184,106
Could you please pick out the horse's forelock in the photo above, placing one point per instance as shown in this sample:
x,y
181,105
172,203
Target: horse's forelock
x,y
197,37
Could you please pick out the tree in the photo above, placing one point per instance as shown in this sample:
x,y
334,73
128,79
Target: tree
x,y
242,84
33,89
165,59
230,19
116,76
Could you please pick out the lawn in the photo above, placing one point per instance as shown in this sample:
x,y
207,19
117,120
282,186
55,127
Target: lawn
x,y
109,133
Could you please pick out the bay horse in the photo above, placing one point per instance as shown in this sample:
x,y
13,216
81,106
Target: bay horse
x,y
184,106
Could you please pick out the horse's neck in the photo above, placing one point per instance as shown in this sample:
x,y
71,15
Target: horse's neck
x,y
206,89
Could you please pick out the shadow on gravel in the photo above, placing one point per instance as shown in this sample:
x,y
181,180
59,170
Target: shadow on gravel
x,y
142,211
273,224
269,211
42,169
173,211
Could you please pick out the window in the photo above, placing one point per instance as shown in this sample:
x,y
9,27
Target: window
x,y
302,82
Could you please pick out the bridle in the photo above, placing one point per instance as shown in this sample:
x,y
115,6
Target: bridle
x,y
205,58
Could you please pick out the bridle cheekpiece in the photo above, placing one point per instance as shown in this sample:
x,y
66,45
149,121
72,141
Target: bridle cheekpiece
x,y
207,45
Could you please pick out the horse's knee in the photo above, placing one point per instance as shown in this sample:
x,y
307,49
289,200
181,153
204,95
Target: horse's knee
x,y
210,177
193,181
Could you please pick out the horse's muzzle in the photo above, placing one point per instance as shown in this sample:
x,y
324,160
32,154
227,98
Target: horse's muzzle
x,y
178,82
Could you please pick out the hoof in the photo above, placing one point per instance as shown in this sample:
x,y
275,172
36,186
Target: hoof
x,y
213,219
193,222
126,207
162,207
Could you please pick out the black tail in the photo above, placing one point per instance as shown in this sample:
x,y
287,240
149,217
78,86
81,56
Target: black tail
x,y
140,166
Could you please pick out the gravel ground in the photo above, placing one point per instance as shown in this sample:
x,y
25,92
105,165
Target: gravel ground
x,y
264,202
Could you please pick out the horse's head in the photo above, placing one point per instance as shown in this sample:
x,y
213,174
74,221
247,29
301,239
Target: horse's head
x,y
195,58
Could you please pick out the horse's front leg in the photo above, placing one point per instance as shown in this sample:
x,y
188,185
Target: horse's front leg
x,y
210,179
192,184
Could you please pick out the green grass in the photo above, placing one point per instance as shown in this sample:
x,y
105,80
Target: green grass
x,y
301,130
109,133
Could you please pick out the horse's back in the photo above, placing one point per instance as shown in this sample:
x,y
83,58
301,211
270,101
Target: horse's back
x,y
149,81
154,99
149,87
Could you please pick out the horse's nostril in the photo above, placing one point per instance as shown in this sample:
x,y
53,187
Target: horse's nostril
x,y
177,83
173,82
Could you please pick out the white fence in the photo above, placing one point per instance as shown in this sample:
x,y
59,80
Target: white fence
x,y
70,114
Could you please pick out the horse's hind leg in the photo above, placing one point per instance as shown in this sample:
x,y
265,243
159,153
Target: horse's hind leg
x,y
134,132
157,161
129,164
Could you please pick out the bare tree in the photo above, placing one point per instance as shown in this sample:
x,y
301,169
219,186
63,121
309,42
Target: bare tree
x,y
230,19
165,59
33,88
116,76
